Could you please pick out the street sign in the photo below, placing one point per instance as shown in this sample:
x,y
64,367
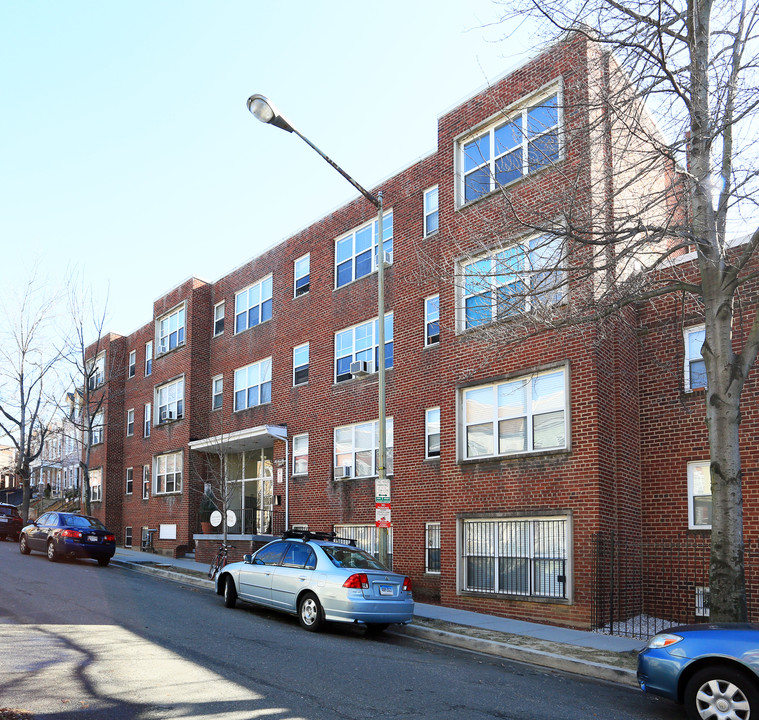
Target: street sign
x,y
383,515
382,491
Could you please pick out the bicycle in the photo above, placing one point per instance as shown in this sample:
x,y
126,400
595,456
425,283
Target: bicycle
x,y
219,561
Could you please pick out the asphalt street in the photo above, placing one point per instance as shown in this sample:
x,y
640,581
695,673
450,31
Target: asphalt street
x,y
80,641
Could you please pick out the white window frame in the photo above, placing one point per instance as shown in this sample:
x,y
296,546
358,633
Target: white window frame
x,y
129,489
168,466
128,536
96,485
349,435
300,454
256,375
360,343
472,144
431,542
218,317
431,319
507,281
511,410
169,401
352,250
302,273
300,362
699,472
146,482
431,428
132,363
431,210
97,371
130,422
171,324
693,355
148,358
217,391
147,419
255,296
98,428
498,538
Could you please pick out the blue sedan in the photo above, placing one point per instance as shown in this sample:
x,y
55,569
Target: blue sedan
x,y
312,576
713,670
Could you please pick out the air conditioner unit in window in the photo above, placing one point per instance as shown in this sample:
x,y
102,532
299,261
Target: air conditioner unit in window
x,y
343,471
387,257
162,416
359,368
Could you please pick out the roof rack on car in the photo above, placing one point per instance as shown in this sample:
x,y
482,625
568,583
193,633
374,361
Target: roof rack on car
x,y
312,535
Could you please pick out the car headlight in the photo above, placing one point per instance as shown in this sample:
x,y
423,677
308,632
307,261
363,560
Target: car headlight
x,y
663,640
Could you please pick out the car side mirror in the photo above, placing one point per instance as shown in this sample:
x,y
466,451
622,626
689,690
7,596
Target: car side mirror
x,y
248,558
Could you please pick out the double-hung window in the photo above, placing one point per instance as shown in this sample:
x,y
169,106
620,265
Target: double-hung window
x,y
300,364
516,556
356,252
302,273
300,454
513,280
253,385
148,358
430,211
527,141
432,320
527,414
171,329
96,372
145,482
96,436
695,368
218,318
432,547
129,480
130,422
432,432
168,473
96,485
357,448
147,420
253,305
217,392
132,363
169,400
361,344
699,496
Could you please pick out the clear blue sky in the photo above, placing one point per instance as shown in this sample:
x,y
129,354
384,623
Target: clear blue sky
x,y
128,152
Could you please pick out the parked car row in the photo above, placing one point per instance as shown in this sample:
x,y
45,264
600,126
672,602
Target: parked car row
x,y
10,522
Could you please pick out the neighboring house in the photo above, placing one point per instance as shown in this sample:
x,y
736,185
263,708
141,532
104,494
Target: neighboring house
x,y
505,466
8,478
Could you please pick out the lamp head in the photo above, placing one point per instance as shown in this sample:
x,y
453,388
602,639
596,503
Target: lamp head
x,y
264,110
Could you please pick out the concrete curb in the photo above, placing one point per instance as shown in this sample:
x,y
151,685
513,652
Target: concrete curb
x,y
522,654
554,661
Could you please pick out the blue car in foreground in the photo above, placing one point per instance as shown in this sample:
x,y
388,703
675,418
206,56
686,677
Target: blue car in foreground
x,y
713,670
62,534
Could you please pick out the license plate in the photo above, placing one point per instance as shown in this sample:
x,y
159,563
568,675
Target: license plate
x,y
92,538
386,589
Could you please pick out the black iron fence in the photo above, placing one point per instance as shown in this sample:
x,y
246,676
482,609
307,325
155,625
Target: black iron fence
x,y
641,587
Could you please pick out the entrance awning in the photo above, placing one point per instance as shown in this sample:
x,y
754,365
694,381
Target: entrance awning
x,y
241,440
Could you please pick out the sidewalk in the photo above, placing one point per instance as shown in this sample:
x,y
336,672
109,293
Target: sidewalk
x,y
585,653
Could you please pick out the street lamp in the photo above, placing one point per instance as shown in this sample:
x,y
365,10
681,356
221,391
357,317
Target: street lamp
x,y
265,111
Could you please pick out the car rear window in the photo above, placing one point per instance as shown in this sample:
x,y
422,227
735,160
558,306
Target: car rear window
x,y
5,510
352,558
84,522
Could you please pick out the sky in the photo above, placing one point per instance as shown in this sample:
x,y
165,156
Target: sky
x,y
128,153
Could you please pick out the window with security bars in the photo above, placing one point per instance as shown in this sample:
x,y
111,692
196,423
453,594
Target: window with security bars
x,y
367,538
523,556
432,547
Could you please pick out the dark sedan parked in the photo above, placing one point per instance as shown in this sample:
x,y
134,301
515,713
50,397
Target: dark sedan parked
x,y
62,534
10,522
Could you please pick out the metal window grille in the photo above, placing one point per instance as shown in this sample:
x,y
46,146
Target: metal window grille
x,y
366,538
432,548
516,557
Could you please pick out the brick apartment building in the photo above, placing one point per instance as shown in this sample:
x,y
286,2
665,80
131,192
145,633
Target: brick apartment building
x,y
506,462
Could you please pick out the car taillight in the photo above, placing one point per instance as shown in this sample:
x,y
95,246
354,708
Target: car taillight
x,y
359,581
110,538
407,584
71,533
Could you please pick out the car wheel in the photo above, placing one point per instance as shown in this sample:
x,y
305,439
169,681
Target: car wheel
x,y
719,691
51,554
23,545
310,613
103,561
376,628
230,593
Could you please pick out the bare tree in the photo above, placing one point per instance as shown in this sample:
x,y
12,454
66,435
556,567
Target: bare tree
x,y
654,163
27,361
